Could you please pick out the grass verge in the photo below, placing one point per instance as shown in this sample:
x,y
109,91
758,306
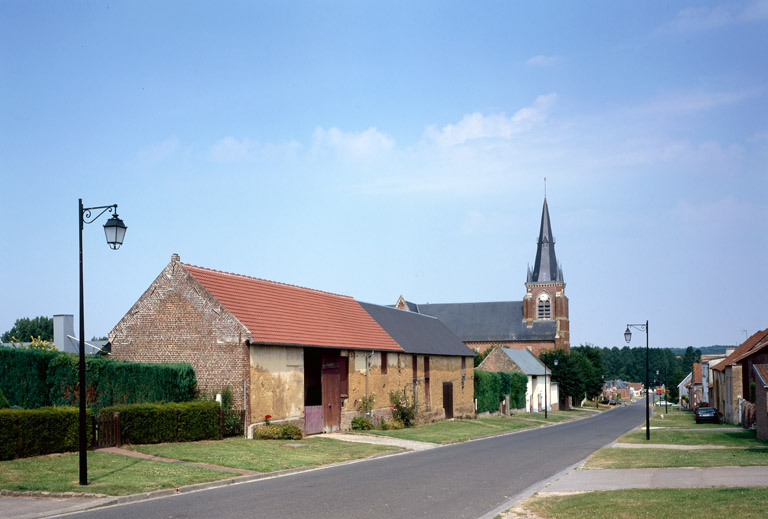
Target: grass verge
x,y
614,458
462,430
744,503
679,419
735,438
265,455
108,473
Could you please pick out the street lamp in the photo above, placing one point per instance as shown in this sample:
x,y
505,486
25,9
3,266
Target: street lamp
x,y
628,338
545,388
114,230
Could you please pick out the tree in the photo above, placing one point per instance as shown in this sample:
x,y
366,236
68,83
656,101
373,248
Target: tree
x,y
25,329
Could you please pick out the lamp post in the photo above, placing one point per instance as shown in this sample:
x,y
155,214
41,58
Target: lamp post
x,y
545,388
114,230
628,338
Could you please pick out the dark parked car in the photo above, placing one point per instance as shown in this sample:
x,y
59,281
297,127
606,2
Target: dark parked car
x,y
707,414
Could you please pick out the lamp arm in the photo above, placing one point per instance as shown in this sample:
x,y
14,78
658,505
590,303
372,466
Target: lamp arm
x,y
85,214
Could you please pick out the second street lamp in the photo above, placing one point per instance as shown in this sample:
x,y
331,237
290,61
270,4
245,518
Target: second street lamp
x,y
628,338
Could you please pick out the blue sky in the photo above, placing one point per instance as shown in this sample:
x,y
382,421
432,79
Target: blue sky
x,y
379,149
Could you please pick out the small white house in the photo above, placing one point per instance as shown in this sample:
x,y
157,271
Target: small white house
x,y
541,391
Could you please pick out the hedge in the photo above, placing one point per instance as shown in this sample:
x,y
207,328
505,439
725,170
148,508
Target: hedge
x,y
491,387
34,432
174,422
36,378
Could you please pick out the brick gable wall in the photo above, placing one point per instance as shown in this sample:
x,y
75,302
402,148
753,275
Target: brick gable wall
x,y
177,320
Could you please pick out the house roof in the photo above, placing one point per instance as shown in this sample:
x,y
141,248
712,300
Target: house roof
x,y
526,361
277,313
761,370
696,373
494,321
744,350
417,334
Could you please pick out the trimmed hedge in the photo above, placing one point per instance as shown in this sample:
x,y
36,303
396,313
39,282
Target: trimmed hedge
x,y
491,387
36,378
34,432
175,422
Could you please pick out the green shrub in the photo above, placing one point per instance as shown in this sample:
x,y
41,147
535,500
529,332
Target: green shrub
x,y
38,378
403,410
174,422
487,390
286,431
34,432
361,423
3,401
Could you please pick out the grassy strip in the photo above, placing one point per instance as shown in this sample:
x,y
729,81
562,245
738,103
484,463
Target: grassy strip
x,y
678,419
111,474
735,438
461,430
265,455
744,503
615,458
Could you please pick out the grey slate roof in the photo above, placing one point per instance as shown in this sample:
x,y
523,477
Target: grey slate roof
x,y
495,321
526,361
545,269
417,334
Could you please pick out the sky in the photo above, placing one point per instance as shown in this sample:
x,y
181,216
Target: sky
x,y
379,149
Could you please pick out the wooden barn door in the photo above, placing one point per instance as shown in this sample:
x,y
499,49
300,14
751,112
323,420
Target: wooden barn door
x,y
448,399
331,384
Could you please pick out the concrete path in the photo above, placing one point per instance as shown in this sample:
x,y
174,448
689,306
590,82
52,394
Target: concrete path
x,y
619,479
410,445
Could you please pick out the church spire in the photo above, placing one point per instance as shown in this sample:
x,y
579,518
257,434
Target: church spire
x,y
545,269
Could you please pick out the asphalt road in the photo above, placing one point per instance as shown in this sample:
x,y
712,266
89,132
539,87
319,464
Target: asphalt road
x,y
466,480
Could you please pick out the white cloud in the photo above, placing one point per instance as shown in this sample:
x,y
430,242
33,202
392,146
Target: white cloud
x,y
230,149
495,126
370,142
696,19
158,152
543,61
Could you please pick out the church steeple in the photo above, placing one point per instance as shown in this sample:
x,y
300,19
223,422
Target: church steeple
x,y
545,269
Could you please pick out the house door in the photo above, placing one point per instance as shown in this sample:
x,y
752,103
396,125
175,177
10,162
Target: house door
x,y
448,399
331,388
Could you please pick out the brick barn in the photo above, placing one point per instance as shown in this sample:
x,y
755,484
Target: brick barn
x,y
294,353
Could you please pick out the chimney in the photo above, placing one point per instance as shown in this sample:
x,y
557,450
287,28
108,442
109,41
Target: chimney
x,y
175,257
63,330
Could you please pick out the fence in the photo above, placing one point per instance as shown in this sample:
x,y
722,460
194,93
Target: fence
x,y
106,430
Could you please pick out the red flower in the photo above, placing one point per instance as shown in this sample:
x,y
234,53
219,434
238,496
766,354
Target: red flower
x,y
268,417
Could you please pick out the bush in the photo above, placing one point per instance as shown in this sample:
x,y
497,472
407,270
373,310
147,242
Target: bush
x,y
361,423
176,422
487,390
38,378
402,410
3,401
34,432
277,432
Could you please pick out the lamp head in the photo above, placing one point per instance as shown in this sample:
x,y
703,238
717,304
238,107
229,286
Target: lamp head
x,y
627,335
115,232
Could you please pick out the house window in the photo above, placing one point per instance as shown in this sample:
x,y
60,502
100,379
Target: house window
x,y
544,311
383,362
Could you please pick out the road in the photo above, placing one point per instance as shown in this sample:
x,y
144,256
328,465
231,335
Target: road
x,y
466,480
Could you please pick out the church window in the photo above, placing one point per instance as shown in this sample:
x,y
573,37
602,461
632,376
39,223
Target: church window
x,y
544,308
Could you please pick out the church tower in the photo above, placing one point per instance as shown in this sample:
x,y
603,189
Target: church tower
x,y
545,298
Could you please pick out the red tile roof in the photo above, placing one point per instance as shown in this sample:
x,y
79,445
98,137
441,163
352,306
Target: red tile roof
x,y
696,373
277,313
743,350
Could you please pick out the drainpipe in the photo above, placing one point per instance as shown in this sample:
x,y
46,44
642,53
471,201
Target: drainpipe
x,y
367,357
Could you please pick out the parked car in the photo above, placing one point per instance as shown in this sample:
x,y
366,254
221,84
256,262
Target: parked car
x,y
707,415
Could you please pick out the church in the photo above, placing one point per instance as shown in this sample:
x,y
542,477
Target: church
x,y
539,322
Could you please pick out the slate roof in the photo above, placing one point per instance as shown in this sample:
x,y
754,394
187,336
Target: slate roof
x,y
281,314
545,268
417,334
526,361
495,321
744,350
762,373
